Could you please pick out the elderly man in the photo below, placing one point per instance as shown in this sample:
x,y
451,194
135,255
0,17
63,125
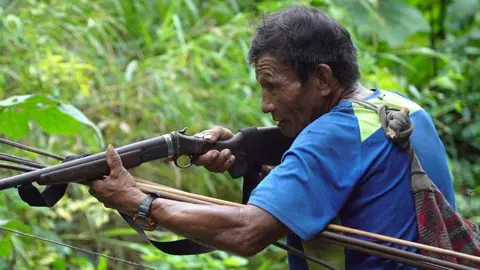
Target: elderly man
x,y
340,166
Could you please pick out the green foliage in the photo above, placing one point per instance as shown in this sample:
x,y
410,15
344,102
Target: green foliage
x,y
138,69
49,113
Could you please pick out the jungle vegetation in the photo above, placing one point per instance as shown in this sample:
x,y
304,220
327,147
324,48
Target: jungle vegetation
x,y
124,71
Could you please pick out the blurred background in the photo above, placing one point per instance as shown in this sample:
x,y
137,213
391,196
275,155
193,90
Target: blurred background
x,y
124,70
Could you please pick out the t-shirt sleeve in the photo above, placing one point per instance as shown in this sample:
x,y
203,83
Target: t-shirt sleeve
x,y
315,178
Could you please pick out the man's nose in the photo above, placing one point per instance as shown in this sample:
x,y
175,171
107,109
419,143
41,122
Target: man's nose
x,y
267,104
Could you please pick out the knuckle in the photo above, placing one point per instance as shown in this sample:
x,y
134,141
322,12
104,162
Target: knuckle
x,y
123,172
117,162
202,160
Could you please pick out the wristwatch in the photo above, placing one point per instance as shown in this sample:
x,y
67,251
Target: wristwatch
x,y
142,217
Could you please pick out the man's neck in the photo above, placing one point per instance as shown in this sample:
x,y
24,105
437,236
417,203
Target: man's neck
x,y
357,92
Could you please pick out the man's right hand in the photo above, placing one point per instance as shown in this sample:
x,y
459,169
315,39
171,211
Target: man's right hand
x,y
214,160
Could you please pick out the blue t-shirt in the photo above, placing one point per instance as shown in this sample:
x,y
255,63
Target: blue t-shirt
x,y
343,166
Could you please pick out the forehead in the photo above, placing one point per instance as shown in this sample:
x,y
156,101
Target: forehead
x,y
269,65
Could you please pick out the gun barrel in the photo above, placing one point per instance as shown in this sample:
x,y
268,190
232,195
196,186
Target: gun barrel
x,y
150,149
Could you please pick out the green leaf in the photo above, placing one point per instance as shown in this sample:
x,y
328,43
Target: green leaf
x,y
82,262
5,248
80,117
4,221
119,232
397,60
393,21
59,264
102,262
471,131
460,11
444,82
425,51
476,191
51,115
18,225
54,237
19,247
4,264
234,261
15,100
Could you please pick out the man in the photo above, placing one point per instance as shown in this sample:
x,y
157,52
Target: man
x,y
341,164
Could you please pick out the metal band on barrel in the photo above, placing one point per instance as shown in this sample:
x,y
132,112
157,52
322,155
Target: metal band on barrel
x,y
170,149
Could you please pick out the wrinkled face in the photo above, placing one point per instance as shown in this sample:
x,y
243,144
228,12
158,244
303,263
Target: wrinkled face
x,y
290,104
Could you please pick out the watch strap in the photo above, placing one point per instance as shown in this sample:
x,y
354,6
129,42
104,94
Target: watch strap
x,y
143,212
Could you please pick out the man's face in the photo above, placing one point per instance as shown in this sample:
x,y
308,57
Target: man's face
x,y
290,104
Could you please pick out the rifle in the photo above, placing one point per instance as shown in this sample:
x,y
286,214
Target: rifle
x,y
251,147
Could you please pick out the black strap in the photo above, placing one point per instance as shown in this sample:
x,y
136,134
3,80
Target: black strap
x,y
50,195
250,182
178,247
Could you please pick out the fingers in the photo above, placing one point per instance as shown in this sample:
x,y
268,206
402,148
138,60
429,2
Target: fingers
x,y
216,161
217,133
224,161
94,186
114,162
207,158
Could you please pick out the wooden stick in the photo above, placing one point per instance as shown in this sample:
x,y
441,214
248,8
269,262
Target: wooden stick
x,y
147,185
168,195
384,238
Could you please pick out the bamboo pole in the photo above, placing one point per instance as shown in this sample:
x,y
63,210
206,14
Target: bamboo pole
x,y
176,194
384,238
154,186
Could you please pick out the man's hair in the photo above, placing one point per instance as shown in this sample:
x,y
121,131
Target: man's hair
x,y
305,37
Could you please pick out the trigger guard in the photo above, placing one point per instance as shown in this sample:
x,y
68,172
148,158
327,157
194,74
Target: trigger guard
x,y
184,166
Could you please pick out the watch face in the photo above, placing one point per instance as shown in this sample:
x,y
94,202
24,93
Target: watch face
x,y
146,224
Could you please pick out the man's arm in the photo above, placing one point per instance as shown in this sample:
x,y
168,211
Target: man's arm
x,y
244,230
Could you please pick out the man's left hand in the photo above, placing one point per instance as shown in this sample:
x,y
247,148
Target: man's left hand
x,y
118,190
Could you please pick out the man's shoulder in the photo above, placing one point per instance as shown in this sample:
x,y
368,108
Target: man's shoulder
x,y
369,121
349,122
341,117
334,130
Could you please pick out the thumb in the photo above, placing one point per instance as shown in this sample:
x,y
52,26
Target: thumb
x,y
114,161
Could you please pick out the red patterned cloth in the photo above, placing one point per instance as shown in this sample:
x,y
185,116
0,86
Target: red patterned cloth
x,y
440,226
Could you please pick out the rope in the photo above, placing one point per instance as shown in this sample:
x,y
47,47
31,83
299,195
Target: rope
x,y
396,124
77,248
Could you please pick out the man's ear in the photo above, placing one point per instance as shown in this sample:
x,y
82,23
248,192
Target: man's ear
x,y
325,79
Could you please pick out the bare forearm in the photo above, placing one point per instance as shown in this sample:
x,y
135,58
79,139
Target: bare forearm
x,y
243,230
222,227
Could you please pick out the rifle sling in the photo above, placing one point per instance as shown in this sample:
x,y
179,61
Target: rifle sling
x,y
50,195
